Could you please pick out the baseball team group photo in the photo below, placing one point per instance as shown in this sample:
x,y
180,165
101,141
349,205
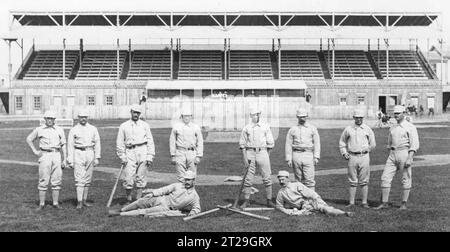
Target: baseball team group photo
x,y
224,117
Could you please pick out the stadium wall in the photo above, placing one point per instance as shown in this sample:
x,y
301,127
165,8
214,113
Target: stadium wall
x,y
67,97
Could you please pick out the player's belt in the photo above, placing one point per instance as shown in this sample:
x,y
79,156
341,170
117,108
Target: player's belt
x,y
51,149
399,148
132,146
301,149
358,152
84,148
183,148
256,149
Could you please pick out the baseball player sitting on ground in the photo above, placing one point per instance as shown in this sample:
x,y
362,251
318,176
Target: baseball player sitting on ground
x,y
136,149
297,199
177,196
83,147
51,142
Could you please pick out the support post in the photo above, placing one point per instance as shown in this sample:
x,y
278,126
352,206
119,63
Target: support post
x,y
333,56
9,63
64,60
279,59
118,59
171,58
225,58
387,58
441,42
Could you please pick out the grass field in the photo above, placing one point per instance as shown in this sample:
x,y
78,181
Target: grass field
x,y
429,201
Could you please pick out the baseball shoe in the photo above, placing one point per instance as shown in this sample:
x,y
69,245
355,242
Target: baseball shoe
x,y
350,205
270,203
382,206
113,212
244,205
403,206
349,214
57,207
87,204
40,208
365,206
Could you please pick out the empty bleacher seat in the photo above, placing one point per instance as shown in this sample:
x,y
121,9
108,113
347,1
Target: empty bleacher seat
x,y
101,65
351,65
402,64
150,65
250,65
300,65
200,65
48,65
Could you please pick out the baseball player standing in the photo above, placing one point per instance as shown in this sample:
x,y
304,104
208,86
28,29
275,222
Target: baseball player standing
x,y
51,142
256,141
84,152
186,145
355,144
303,149
403,143
136,149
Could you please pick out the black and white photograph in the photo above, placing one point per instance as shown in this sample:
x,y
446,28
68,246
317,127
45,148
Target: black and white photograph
x,y
224,117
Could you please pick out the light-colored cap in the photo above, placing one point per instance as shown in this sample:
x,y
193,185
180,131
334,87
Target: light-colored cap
x,y
83,113
189,175
358,113
186,111
50,114
283,174
136,108
399,109
255,110
301,112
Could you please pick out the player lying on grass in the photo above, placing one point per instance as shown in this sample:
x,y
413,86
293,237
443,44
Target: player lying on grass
x,y
177,196
297,199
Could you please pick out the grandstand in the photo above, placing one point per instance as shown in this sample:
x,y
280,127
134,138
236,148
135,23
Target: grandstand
x,y
150,65
200,65
300,65
48,65
250,48
101,65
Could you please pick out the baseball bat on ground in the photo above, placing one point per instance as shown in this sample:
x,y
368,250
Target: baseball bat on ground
x,y
115,187
203,213
244,213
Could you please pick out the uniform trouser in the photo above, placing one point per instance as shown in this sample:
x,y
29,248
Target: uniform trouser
x,y
185,161
320,206
359,170
82,170
261,160
396,162
135,170
147,205
304,167
50,171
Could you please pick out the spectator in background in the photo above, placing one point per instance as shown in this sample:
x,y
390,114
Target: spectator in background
x,y
431,112
421,110
143,98
308,97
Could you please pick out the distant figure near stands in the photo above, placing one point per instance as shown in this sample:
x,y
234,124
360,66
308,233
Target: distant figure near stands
x,y
403,143
356,142
136,149
51,142
302,149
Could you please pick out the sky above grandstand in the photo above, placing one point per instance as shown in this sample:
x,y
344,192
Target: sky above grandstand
x,y
216,6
